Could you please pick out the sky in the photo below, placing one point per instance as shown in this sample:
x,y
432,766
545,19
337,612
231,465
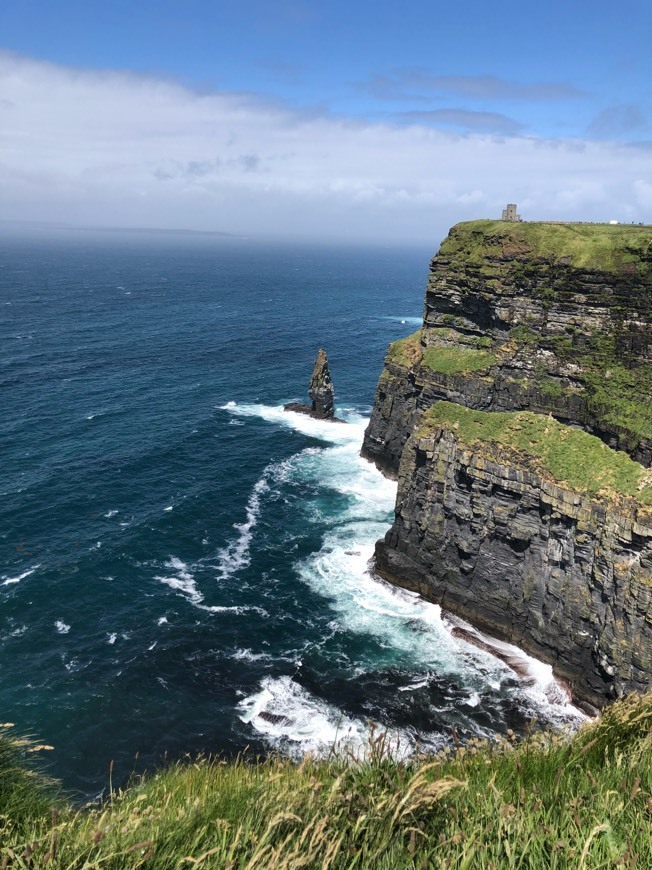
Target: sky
x,y
358,120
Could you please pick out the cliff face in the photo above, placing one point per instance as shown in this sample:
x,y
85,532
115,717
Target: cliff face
x,y
554,318
532,530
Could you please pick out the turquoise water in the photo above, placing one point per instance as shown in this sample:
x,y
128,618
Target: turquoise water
x,y
184,566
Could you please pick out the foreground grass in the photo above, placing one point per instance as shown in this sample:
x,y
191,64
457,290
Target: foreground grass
x,y
548,801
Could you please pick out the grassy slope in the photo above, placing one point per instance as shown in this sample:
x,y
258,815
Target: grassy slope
x,y
446,360
592,246
569,455
550,801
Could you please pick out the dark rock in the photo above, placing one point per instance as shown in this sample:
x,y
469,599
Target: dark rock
x,y
321,389
559,335
529,561
321,393
510,327
274,718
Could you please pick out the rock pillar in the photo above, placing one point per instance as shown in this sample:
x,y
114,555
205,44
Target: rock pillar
x,y
321,389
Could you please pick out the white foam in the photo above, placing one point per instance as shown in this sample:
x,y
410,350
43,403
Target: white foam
x,y
162,620
110,514
412,628
184,584
111,639
19,631
8,581
168,508
236,555
61,626
540,690
417,321
248,655
292,718
350,432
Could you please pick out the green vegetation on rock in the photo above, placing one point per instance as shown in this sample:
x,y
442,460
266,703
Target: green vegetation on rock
x,y
600,247
442,358
568,455
549,800
406,351
622,397
453,360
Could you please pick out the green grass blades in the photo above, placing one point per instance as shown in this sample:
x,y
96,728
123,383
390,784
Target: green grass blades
x,y
548,800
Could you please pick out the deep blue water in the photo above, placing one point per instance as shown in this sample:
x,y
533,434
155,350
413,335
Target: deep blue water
x,y
184,566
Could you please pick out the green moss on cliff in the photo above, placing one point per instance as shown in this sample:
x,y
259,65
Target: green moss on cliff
x,y
570,456
406,351
621,397
453,360
599,247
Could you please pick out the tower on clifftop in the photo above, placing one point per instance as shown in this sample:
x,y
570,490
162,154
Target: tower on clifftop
x,y
509,213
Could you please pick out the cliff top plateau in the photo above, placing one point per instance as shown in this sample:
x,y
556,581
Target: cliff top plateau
x,y
602,247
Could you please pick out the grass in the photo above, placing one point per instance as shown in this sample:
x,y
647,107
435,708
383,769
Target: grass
x,y
406,351
447,360
582,461
589,246
454,360
550,800
622,397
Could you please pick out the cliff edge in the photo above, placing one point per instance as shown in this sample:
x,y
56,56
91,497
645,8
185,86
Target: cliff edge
x,y
518,421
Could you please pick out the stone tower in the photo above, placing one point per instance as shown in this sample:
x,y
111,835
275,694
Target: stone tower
x,y
509,213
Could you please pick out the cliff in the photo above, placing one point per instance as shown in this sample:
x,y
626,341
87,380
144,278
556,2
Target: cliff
x,y
554,318
505,419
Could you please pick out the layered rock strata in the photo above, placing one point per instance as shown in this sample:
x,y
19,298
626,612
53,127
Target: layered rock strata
x,y
509,512
487,532
550,317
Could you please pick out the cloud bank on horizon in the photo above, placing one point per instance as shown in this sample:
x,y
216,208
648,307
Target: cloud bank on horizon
x,y
118,148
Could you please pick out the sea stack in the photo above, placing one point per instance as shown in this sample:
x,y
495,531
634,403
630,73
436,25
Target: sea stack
x,y
321,392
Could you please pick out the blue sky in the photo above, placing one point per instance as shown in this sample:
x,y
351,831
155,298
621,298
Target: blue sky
x,y
403,116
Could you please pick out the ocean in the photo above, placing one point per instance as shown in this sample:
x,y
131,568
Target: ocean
x,y
185,567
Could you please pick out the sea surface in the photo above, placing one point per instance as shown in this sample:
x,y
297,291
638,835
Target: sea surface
x,y
184,566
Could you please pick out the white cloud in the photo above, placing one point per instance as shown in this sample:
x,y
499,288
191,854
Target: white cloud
x,y
113,148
